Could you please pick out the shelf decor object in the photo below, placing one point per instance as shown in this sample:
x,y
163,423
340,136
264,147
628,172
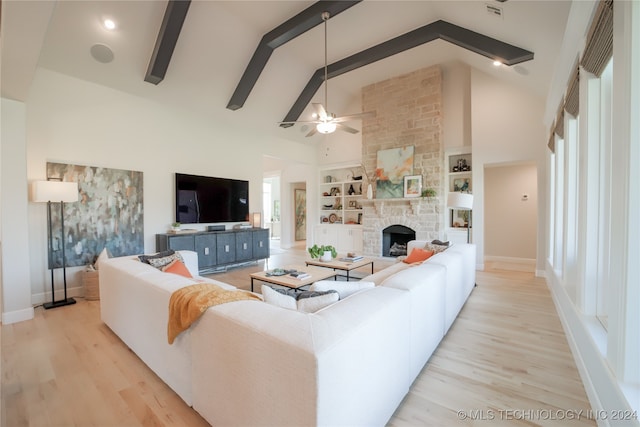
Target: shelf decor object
x,y
412,185
462,201
56,192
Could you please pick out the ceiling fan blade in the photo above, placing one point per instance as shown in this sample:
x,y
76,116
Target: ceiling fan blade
x,y
320,111
359,116
346,128
312,132
299,122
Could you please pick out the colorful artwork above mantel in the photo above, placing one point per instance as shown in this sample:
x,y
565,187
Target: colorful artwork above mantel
x,y
391,168
109,213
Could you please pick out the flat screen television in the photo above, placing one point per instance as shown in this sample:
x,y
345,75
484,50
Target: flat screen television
x,y
204,199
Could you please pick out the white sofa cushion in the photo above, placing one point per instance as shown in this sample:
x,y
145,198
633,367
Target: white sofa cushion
x,y
307,302
343,288
318,302
426,284
455,296
278,299
104,256
379,276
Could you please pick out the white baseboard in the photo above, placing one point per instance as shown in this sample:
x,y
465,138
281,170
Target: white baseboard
x,y
511,263
42,297
494,258
17,316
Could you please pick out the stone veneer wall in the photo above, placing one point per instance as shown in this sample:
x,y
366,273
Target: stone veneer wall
x,y
408,112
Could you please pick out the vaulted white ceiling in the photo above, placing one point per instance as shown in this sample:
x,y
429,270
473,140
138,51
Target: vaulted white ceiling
x,y
219,37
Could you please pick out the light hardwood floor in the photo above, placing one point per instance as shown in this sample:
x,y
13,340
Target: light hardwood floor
x,y
505,360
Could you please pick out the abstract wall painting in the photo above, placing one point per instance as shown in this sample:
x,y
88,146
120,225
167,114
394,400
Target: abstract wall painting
x,y
392,166
109,214
300,201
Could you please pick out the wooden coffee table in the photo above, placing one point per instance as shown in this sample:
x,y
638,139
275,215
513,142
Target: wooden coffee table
x,y
347,266
292,282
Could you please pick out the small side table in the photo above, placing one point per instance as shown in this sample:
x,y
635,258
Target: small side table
x,y
91,284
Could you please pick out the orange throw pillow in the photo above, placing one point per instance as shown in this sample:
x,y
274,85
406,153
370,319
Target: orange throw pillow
x,y
177,267
418,255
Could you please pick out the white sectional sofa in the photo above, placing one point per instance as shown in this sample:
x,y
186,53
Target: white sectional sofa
x,y
252,363
134,303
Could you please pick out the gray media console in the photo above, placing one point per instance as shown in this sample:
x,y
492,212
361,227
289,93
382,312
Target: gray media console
x,y
219,249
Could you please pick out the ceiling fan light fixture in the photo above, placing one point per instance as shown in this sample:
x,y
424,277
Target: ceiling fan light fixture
x,y
326,127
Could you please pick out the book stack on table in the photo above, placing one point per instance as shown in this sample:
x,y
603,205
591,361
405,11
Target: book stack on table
x,y
300,275
352,258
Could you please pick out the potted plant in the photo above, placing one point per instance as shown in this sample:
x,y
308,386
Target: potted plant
x,y
429,192
175,226
324,252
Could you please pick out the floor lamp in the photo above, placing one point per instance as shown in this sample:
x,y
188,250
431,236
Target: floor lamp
x,y
56,192
462,201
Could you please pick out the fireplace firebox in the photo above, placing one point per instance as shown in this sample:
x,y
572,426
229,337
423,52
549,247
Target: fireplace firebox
x,y
395,239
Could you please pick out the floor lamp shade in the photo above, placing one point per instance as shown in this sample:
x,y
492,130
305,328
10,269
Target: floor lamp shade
x,y
462,201
55,192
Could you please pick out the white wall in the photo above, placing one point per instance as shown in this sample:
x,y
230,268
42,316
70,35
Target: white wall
x,y
339,147
456,105
73,121
16,298
511,220
506,127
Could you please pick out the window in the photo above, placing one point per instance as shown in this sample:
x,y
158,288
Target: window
x,y
604,192
558,218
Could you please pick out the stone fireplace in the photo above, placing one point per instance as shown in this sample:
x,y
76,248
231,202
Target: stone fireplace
x,y
408,113
421,215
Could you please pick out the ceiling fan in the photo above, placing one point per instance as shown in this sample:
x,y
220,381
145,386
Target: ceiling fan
x,y
324,121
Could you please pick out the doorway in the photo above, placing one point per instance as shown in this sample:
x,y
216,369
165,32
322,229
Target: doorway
x,y
511,216
271,206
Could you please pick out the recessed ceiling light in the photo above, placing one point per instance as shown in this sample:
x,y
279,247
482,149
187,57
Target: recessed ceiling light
x,y
109,24
497,63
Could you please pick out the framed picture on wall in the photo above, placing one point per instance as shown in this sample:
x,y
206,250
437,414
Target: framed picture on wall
x,y
412,185
300,214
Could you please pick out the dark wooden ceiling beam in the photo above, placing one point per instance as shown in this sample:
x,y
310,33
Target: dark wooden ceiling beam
x,y
506,53
174,17
476,42
285,32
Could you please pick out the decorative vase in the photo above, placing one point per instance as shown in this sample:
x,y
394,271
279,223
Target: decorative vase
x,y
369,192
326,256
